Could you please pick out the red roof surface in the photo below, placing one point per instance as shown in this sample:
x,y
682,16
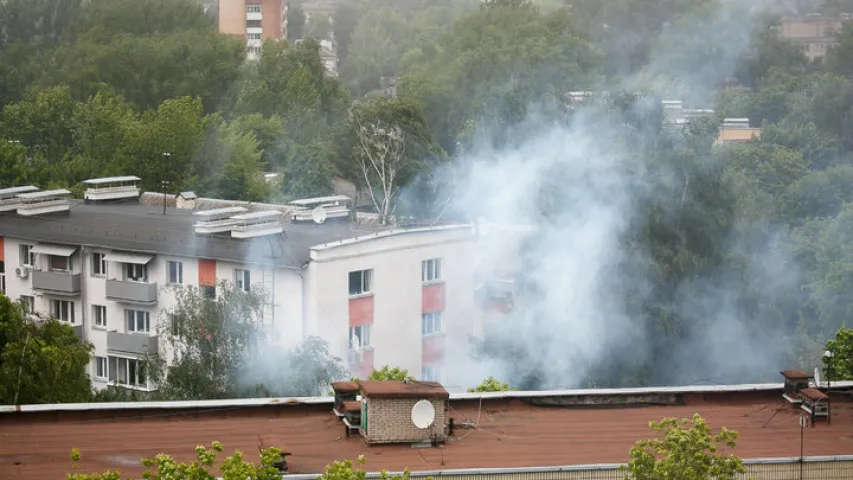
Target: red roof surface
x,y
395,389
796,374
345,387
510,433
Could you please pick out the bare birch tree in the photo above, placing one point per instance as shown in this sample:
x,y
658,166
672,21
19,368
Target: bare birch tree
x,y
381,154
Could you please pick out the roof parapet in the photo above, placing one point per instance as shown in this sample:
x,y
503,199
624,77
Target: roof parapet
x,y
111,188
43,202
9,199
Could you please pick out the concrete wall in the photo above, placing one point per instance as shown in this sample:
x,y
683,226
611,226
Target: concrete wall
x,y
389,420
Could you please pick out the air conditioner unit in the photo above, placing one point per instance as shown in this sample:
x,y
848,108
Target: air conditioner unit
x,y
22,272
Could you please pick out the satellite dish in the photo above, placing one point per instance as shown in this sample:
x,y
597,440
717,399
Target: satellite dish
x,y
817,376
319,214
423,414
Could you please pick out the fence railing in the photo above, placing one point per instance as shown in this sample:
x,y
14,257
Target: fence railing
x,y
813,468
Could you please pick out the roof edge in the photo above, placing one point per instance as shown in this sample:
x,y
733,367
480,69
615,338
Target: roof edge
x,y
285,401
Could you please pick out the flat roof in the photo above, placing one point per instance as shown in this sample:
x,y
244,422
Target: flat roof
x,y
44,194
100,181
16,190
394,389
143,228
220,211
505,433
257,215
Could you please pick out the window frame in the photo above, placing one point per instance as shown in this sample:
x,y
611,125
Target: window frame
x,y
56,310
130,272
431,270
29,302
430,320
98,365
138,372
99,264
99,312
134,317
51,258
243,279
359,332
25,253
365,277
178,278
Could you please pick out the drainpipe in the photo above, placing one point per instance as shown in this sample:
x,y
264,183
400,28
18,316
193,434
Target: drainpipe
x,y
83,292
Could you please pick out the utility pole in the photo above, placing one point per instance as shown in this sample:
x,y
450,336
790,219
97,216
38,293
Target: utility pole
x,y
164,184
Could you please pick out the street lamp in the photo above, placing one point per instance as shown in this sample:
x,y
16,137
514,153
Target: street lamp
x,y
163,183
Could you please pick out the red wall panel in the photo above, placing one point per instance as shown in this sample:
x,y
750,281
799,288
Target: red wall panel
x,y
360,311
206,272
433,298
2,250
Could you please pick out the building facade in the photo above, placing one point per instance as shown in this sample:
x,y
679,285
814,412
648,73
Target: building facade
x,y
253,21
377,296
814,34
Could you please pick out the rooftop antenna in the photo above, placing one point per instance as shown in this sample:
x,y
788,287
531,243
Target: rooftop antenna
x,y
319,215
423,414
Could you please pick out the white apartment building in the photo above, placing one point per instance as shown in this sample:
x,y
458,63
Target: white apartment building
x,y
378,296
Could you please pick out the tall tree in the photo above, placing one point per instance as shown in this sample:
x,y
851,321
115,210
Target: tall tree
x,y
295,21
41,360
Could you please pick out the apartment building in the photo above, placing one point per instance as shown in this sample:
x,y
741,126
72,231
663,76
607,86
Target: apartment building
x,y
377,295
815,34
253,21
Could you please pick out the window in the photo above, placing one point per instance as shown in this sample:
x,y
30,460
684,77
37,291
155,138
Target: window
x,y
359,336
431,373
176,272
253,9
137,321
242,279
253,23
56,262
28,258
209,292
360,282
99,313
431,270
101,367
99,265
431,323
2,277
136,272
62,310
127,371
253,36
29,303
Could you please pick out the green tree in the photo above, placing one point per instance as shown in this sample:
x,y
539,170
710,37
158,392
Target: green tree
x,y
344,470
41,360
839,364
210,342
242,176
307,370
491,384
390,373
164,467
687,451
318,27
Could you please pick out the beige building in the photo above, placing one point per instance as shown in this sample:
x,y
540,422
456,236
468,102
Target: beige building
x,y
254,21
814,34
737,130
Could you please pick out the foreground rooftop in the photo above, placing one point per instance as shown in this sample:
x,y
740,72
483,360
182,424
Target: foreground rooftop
x,y
510,430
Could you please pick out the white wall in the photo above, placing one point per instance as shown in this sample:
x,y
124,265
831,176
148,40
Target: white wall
x,y
397,290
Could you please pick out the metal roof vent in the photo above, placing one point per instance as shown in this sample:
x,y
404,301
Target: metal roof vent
x,y
9,200
217,220
40,203
257,224
111,188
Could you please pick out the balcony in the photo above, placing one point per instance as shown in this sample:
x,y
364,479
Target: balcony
x,y
57,282
132,292
132,343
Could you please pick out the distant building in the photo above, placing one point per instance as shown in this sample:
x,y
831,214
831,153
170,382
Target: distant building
x,y
318,7
737,130
814,34
253,21
674,112
329,57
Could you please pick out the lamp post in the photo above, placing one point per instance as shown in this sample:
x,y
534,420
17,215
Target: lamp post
x,y
804,422
827,355
163,181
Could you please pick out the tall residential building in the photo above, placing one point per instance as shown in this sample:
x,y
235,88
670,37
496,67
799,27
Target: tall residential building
x,y
378,296
254,21
814,34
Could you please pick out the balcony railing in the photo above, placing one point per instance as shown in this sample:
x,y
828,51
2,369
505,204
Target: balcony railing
x,y
132,292
57,281
132,343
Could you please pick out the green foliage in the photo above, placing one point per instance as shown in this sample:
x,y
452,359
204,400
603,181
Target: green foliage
x,y
839,364
164,467
389,373
295,21
344,470
687,451
41,361
491,384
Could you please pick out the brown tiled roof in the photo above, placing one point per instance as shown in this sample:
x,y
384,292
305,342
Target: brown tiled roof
x,y
395,389
814,394
508,433
345,387
352,406
796,374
